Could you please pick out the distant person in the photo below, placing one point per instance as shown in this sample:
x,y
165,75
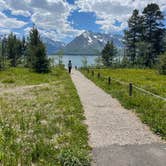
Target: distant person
x,y
70,66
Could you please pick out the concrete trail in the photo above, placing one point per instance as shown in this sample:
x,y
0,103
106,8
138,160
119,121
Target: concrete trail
x,y
117,135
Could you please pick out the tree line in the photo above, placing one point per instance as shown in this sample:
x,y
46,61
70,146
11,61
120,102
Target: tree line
x,y
144,41
29,52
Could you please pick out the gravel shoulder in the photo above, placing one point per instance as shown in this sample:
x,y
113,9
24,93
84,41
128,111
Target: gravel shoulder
x,y
108,122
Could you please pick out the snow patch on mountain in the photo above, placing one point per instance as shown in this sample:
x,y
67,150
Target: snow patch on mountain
x,y
91,43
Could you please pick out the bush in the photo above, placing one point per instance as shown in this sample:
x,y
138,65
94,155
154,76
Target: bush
x,y
162,64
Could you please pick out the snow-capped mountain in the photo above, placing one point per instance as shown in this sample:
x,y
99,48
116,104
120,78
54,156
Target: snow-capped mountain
x,y
52,46
91,43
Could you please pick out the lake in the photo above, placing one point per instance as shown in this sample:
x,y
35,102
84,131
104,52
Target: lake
x,y
76,60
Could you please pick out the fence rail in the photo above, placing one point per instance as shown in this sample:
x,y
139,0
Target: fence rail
x,y
130,85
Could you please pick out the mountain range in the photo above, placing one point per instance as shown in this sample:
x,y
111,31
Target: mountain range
x,y
52,46
85,44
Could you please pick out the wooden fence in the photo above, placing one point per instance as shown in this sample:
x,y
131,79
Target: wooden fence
x,y
130,85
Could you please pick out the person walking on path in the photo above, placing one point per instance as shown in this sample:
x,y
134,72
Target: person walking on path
x,y
69,66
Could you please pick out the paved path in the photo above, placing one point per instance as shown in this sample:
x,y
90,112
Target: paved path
x,y
117,136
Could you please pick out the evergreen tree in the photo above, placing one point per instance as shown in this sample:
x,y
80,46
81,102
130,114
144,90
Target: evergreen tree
x,y
109,53
154,32
36,53
13,50
41,64
106,54
3,53
24,47
142,53
144,37
133,35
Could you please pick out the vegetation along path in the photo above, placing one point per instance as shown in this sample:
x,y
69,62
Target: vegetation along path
x,y
117,136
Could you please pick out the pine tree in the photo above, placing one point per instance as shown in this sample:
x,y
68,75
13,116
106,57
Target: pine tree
x,y
23,50
142,53
133,35
36,53
154,32
3,53
13,50
41,64
109,53
23,45
106,54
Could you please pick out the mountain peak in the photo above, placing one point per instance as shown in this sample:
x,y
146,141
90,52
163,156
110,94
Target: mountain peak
x,y
90,43
85,34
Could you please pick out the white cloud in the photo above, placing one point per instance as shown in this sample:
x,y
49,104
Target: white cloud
x,y
110,11
10,22
21,13
4,31
18,4
52,16
49,15
54,35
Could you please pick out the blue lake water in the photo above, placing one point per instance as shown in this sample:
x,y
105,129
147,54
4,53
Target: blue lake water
x,y
76,60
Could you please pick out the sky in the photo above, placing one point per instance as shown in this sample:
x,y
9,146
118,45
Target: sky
x,y
62,20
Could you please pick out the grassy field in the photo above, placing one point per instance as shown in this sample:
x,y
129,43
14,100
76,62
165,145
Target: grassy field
x,y
151,110
41,125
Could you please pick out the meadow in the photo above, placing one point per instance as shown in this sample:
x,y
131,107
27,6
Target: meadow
x,y
41,120
151,110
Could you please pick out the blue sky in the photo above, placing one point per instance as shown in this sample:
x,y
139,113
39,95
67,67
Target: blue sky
x,y
84,20
62,20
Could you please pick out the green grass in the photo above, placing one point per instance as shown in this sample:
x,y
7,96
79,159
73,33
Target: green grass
x,y
148,79
42,125
151,110
22,76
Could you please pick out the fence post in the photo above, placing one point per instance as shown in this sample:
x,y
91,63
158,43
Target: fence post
x,y
109,80
98,75
130,89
